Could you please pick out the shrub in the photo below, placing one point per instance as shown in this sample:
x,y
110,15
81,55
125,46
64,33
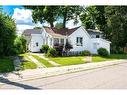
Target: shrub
x,y
86,53
59,49
121,52
45,48
103,52
19,45
68,46
52,52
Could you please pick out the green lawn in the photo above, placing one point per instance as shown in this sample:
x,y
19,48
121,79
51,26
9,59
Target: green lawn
x,y
45,62
26,62
68,60
6,64
80,59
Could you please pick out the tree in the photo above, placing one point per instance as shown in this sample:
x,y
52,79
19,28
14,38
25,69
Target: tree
x,y
117,25
44,14
88,17
7,34
51,14
93,17
69,13
20,45
59,25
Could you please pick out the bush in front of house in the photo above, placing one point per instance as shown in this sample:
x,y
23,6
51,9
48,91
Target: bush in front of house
x,y
52,52
59,49
44,48
68,46
103,52
86,53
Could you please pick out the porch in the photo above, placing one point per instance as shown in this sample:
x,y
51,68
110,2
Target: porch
x,y
57,41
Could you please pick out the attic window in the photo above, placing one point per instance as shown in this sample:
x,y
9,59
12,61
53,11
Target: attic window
x,y
97,36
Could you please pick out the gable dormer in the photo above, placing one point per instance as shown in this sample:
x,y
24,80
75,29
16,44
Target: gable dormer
x,y
95,33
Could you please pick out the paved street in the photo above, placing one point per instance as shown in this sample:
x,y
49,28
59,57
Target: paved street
x,y
110,77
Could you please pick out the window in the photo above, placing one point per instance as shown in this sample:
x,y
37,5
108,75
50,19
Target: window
x,y
79,41
97,36
37,44
56,41
95,45
62,41
50,41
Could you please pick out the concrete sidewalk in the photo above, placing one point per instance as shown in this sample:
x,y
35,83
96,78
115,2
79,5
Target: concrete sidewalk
x,y
47,72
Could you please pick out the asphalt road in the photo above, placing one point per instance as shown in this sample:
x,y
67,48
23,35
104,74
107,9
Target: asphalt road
x,y
111,77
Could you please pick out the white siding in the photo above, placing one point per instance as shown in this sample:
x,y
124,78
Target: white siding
x,y
100,43
36,38
86,40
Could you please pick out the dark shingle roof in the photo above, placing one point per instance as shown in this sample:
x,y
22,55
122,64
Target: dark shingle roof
x,y
28,32
93,31
60,32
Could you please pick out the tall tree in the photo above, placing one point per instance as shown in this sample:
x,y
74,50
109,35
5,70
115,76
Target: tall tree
x,y
53,13
69,13
117,24
7,34
94,17
88,17
59,25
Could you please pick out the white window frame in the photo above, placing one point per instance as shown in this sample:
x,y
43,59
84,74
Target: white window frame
x,y
79,42
62,41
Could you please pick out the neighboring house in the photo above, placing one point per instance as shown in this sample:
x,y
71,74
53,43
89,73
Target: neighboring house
x,y
78,37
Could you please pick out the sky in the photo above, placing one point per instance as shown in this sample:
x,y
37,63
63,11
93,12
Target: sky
x,y
23,18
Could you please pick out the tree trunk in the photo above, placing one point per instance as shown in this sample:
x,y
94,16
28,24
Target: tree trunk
x,y
64,22
51,24
65,18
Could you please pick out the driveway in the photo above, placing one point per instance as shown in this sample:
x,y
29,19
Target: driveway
x,y
110,77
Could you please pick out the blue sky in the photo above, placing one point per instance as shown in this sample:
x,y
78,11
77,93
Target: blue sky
x,y
10,9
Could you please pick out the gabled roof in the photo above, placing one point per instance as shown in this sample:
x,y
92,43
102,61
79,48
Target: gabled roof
x,y
93,31
60,32
28,32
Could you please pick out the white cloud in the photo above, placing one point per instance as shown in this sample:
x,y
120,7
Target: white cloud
x,y
22,16
23,19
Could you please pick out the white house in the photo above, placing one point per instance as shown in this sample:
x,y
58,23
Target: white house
x,y
80,38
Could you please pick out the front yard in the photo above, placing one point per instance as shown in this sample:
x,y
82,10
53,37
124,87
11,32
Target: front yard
x,y
6,63
81,59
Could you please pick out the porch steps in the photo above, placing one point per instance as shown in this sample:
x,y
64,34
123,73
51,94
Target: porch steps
x,y
39,65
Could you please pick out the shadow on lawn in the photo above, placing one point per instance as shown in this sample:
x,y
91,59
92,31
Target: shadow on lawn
x,y
6,81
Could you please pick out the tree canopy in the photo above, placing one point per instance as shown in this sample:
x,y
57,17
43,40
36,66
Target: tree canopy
x,y
51,14
7,34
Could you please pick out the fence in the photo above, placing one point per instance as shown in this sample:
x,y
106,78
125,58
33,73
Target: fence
x,y
72,53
